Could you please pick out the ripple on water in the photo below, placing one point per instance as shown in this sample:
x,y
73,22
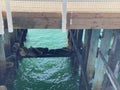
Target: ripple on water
x,y
45,73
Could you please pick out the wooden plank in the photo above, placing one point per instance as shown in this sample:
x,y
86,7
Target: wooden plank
x,y
88,15
95,23
36,20
53,20
92,53
36,14
44,23
94,20
99,69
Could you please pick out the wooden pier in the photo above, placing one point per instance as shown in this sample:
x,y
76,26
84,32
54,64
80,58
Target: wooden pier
x,y
88,15
93,39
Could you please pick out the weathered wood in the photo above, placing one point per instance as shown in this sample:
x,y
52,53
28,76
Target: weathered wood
x,y
86,45
109,73
36,20
2,51
95,23
7,43
92,53
85,48
81,9
99,69
113,57
74,21
94,20
79,57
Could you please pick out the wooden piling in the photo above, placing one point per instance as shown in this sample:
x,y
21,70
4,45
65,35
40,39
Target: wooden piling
x,y
114,56
79,39
7,43
99,69
86,45
92,53
2,51
85,49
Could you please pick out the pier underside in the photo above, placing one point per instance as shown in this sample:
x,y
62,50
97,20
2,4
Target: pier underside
x,y
48,14
93,39
74,21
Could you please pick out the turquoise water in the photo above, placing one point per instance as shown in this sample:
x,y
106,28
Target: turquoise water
x,y
45,73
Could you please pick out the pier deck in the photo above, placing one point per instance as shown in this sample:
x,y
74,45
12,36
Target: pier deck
x,y
44,14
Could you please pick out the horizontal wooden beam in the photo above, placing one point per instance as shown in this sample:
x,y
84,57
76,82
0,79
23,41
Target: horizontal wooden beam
x,y
76,20
47,14
35,20
94,21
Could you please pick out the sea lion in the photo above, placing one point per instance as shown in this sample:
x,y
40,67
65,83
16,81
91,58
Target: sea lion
x,y
23,52
3,87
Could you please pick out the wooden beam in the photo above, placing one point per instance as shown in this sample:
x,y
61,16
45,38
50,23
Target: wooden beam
x,y
94,20
88,15
36,20
76,20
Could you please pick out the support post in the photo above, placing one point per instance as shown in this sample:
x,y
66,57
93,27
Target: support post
x,y
99,69
9,16
64,15
86,44
92,53
86,40
2,51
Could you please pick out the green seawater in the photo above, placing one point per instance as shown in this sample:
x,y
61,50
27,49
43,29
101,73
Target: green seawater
x,y
45,73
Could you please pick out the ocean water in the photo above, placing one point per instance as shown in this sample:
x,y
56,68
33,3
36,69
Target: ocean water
x,y
45,73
